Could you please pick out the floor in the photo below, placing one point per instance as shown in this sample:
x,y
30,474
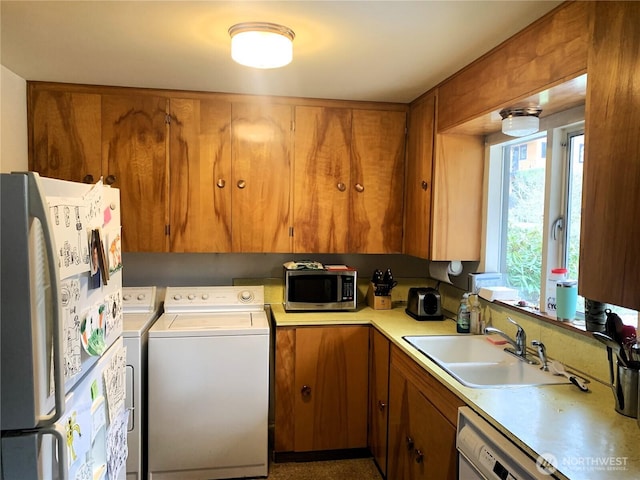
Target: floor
x,y
356,469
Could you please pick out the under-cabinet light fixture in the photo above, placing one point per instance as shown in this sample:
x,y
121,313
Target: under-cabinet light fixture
x,y
520,121
261,44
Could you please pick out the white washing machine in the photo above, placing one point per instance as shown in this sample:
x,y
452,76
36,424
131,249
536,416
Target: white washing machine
x,y
209,385
141,307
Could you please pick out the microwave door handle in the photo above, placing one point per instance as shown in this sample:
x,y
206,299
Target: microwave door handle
x,y
38,209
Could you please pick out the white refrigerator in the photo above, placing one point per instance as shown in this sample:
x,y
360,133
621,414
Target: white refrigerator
x,y
62,361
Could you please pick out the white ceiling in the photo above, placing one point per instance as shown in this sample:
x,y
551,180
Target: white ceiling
x,y
356,50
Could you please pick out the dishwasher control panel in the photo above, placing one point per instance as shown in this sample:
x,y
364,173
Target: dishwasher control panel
x,y
490,454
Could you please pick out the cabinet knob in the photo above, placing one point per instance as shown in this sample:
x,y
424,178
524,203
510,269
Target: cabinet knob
x,y
419,456
409,441
221,183
359,187
306,391
241,184
341,186
110,180
381,405
88,178
424,185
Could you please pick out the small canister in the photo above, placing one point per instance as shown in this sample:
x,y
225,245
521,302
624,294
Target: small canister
x,y
566,300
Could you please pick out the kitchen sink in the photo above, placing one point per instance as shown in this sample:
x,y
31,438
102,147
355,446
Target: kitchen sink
x,y
478,363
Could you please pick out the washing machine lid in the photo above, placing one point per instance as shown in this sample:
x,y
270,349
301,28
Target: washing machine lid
x,y
210,324
136,324
211,321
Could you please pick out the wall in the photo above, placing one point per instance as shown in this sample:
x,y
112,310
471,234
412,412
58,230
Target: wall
x,y
13,122
179,269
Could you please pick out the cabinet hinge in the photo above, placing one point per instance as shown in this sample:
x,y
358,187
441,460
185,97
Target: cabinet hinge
x,y
167,229
291,231
167,119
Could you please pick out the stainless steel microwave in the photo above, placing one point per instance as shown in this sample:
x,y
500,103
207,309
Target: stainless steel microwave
x,y
317,290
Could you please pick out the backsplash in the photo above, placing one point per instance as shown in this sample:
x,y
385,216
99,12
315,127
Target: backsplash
x,y
578,351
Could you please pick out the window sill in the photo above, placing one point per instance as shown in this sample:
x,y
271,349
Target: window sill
x,y
577,326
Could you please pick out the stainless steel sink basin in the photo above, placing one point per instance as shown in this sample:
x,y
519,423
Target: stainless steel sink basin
x,y
476,362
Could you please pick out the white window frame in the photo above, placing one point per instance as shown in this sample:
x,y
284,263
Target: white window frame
x,y
557,127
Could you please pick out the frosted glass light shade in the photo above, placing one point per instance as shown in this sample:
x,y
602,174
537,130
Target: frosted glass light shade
x,y
261,45
520,126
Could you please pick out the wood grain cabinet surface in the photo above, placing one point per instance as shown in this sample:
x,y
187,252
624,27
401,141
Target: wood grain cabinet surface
x,y
65,138
261,169
443,214
419,186
610,229
200,172
321,392
348,180
379,348
422,424
134,147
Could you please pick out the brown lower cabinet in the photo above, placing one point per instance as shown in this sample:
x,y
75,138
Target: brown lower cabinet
x,y
379,348
321,389
422,423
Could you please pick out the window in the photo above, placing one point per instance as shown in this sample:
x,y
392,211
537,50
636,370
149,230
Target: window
x,y
534,201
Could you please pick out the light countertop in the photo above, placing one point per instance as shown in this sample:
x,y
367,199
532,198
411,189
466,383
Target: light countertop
x,y
588,438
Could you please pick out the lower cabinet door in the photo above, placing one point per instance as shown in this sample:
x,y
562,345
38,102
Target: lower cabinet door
x,y
421,439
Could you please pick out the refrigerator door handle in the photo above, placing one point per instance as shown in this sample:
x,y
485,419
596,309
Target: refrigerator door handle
x,y
59,438
38,208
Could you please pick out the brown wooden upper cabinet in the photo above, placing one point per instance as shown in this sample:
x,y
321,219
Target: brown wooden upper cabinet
x,y
348,180
443,216
66,134
609,253
200,172
419,186
261,177
134,150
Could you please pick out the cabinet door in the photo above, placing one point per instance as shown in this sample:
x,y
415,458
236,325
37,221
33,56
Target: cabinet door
x,y
331,366
200,153
418,185
377,181
609,253
378,397
456,221
65,135
321,179
134,146
261,177
421,440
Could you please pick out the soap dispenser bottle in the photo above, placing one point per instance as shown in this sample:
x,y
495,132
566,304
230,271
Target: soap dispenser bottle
x,y
463,320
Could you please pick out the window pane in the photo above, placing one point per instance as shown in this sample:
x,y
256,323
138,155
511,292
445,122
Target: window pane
x,y
574,207
524,197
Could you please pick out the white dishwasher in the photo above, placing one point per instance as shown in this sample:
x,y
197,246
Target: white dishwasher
x,y
209,385
486,454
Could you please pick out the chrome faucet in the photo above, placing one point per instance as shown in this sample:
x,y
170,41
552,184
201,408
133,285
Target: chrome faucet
x,y
542,353
519,344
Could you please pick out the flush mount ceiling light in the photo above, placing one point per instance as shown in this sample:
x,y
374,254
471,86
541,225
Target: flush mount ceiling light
x,y
261,45
521,121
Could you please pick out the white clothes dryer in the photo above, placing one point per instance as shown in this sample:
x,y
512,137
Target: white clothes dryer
x,y
141,306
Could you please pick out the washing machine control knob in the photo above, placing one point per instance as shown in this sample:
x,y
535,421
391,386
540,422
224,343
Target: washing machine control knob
x,y
141,296
177,296
126,296
205,296
191,296
245,296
